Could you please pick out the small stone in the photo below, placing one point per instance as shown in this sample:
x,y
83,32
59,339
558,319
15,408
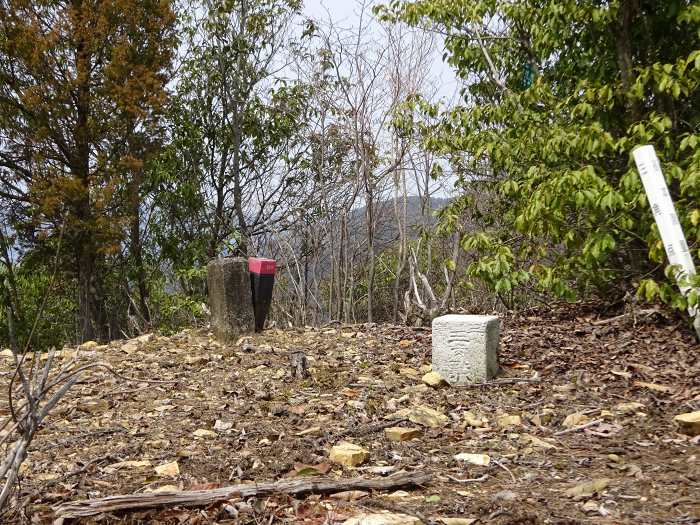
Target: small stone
x,y
401,433
475,459
168,469
145,338
471,420
127,464
223,426
615,458
457,521
689,423
628,408
162,488
87,345
204,433
383,518
574,420
587,489
433,379
93,406
505,495
536,442
509,421
409,372
590,506
348,454
427,417
130,347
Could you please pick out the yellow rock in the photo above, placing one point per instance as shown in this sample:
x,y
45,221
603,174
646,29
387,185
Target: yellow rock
x,y
587,489
93,406
168,469
457,521
348,454
574,420
433,379
401,433
475,459
689,423
383,518
87,345
127,464
471,420
409,372
628,408
535,441
163,488
204,433
509,421
426,416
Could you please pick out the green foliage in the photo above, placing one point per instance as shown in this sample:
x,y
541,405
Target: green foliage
x,y
556,149
56,325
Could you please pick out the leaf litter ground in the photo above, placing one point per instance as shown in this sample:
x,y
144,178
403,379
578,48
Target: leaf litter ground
x,y
590,440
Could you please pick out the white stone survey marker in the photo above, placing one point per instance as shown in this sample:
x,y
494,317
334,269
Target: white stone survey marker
x,y
465,347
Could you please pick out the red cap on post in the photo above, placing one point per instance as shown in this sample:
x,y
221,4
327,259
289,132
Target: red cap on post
x,y
262,266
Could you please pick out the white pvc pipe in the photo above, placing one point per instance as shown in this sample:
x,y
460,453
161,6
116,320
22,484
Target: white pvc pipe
x,y
666,219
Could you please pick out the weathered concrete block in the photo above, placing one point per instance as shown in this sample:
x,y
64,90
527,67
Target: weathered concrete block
x,y
465,347
230,298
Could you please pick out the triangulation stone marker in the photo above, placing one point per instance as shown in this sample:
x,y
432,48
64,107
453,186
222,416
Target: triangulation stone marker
x,y
465,348
230,298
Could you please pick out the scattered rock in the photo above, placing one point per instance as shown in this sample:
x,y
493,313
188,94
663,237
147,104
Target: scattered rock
x,y
88,345
168,469
127,464
475,459
204,433
505,495
628,408
456,521
383,518
574,420
588,489
433,379
348,454
350,495
689,423
401,433
223,426
471,420
409,372
425,416
536,442
509,421
93,406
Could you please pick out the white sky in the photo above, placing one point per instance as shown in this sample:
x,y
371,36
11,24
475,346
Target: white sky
x,y
345,13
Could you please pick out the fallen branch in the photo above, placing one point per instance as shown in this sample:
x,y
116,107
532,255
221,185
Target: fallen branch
x,y
468,480
196,498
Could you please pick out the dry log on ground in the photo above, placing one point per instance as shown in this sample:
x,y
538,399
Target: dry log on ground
x,y
195,498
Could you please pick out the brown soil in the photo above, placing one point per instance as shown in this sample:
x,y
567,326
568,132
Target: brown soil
x,y
358,380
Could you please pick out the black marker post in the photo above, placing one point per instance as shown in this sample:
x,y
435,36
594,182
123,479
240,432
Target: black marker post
x,y
262,278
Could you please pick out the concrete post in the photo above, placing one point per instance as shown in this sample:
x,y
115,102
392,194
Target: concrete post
x,y
230,298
